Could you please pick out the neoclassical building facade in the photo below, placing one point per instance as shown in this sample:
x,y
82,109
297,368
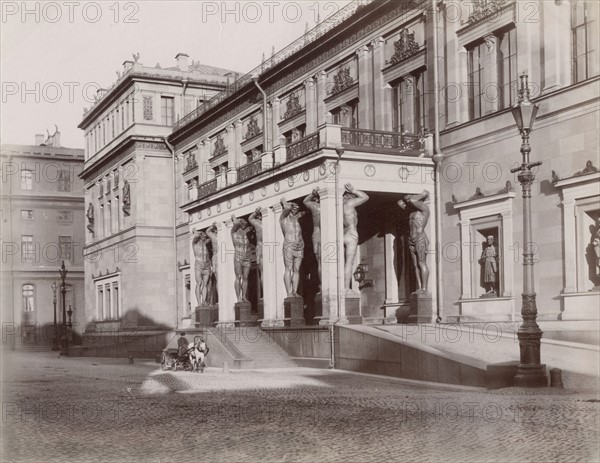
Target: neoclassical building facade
x,y
383,100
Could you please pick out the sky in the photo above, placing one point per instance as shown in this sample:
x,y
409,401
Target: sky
x,y
55,54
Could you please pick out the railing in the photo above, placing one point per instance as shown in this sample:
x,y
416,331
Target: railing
x,y
303,146
318,31
207,188
380,140
249,170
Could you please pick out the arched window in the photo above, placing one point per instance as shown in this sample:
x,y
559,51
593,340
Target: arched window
x,y
28,292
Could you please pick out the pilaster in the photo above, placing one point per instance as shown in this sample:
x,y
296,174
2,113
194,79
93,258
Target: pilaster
x,y
310,93
271,251
365,111
379,86
321,80
556,32
225,273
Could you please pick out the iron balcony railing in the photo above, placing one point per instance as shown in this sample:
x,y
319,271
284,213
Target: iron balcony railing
x,y
303,146
249,170
378,140
207,188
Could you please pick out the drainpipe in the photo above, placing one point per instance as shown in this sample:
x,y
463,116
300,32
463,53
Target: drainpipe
x,y
265,125
172,150
438,157
339,152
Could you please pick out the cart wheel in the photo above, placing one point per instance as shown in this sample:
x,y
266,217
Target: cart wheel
x,y
163,362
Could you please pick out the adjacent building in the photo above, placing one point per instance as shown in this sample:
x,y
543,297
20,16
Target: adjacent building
x,y
130,188
42,225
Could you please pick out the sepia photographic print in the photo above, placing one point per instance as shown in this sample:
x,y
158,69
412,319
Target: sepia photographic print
x,y
300,231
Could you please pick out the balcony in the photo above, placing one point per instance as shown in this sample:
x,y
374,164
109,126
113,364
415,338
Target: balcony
x,y
303,147
378,141
207,188
249,170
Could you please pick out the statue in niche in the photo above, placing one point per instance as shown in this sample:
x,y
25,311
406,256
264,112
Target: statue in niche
x,y
126,198
352,198
313,204
203,265
255,220
293,246
242,256
489,261
211,232
417,239
90,216
596,247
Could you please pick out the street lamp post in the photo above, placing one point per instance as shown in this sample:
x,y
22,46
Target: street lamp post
x,y
531,373
55,337
63,289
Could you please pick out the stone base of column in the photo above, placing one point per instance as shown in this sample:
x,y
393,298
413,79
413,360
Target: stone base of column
x,y
353,308
243,313
203,316
260,309
531,376
293,311
421,307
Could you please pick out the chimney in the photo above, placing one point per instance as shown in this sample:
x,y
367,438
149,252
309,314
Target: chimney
x,y
39,139
127,65
182,62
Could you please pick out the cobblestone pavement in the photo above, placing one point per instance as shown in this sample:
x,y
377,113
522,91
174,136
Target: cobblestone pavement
x,y
105,410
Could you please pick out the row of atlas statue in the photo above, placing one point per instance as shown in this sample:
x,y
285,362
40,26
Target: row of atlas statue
x,y
205,243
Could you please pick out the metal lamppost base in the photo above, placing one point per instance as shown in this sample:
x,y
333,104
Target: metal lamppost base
x,y
531,376
55,344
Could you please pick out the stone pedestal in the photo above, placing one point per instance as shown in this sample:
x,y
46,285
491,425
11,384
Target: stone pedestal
x,y
318,307
421,308
260,309
293,311
243,313
204,316
353,308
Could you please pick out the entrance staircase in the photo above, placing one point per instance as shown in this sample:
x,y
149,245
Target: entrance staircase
x,y
240,347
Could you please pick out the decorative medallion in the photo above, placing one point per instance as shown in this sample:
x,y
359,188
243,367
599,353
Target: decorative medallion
x,y
322,169
263,191
229,204
240,200
290,180
306,176
208,212
369,170
251,195
403,173
276,186
219,207
199,215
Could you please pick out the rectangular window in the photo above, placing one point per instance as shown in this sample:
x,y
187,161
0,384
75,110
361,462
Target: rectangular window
x,y
27,248
346,115
65,248
28,293
584,15
167,110
65,216
26,180
507,69
108,305
64,180
476,56
108,218
410,106
26,214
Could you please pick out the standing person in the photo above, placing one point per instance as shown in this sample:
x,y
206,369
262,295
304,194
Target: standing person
x,y
313,204
352,198
202,266
242,256
255,220
293,246
490,269
417,239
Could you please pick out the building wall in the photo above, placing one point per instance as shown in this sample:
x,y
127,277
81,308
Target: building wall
x,y
54,213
